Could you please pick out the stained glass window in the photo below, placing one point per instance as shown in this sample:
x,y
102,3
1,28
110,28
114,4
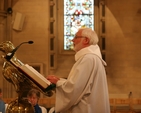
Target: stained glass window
x,y
77,14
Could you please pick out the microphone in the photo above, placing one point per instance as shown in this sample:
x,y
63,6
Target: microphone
x,y
11,54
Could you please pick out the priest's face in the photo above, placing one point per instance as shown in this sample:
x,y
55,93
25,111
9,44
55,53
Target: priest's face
x,y
78,41
33,99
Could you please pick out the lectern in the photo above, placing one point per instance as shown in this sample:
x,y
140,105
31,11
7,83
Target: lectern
x,y
23,77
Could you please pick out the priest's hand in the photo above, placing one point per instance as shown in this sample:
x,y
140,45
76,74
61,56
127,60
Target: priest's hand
x,y
53,79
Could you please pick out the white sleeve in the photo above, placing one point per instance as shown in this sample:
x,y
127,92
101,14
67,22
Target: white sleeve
x,y
69,91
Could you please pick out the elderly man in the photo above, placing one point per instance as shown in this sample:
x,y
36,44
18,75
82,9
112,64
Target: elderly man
x,y
85,90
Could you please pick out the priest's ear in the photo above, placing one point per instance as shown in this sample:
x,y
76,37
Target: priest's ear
x,y
86,41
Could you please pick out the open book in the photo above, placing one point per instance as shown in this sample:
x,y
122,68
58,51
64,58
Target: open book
x,y
35,76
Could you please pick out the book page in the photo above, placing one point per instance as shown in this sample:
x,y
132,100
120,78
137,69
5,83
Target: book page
x,y
34,74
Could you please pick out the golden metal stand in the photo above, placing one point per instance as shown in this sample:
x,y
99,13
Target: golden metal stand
x,y
20,81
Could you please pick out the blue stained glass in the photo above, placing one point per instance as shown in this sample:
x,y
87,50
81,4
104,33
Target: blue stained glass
x,y
77,14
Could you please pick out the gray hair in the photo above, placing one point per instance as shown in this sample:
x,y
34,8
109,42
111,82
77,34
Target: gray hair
x,y
91,34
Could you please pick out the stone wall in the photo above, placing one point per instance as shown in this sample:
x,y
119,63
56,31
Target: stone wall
x,y
123,46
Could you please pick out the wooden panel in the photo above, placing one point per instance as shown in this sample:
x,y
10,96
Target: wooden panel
x,y
136,105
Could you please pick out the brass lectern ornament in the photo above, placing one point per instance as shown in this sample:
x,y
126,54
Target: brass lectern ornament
x,y
16,72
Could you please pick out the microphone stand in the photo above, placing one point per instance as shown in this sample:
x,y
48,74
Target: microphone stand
x,y
11,54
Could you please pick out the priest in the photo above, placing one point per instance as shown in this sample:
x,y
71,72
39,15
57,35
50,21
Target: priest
x,y
85,90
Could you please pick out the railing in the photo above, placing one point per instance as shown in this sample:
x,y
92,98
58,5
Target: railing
x,y
124,103
127,105
46,102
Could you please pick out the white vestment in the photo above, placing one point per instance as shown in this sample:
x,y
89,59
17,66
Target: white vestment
x,y
85,90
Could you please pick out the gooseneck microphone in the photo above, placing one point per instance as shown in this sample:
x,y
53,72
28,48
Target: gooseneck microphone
x,y
11,54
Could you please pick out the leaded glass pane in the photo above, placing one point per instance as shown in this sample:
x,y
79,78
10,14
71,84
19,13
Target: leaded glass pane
x,y
77,14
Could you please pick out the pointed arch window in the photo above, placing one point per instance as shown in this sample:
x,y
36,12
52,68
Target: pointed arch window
x,y
75,14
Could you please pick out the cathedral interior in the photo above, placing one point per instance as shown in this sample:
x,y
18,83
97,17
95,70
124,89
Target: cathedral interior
x,y
117,23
